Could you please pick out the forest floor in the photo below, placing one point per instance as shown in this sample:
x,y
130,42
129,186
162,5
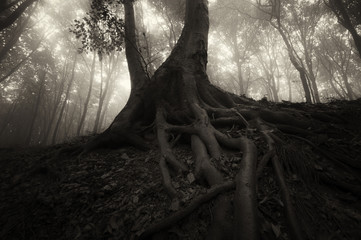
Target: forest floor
x,y
117,193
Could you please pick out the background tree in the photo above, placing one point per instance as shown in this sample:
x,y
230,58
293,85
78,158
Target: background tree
x,y
348,15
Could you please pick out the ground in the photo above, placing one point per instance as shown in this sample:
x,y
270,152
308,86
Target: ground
x,y
47,193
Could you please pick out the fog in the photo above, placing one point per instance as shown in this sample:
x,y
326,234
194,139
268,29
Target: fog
x,y
54,87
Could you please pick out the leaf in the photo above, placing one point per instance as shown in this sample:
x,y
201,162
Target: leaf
x,y
190,178
124,156
276,230
113,222
174,206
78,230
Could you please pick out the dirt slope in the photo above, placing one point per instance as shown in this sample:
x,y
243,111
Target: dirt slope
x,y
118,193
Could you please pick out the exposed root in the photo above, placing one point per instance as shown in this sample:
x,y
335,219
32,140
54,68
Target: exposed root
x,y
245,200
264,161
176,217
204,169
293,224
196,113
165,148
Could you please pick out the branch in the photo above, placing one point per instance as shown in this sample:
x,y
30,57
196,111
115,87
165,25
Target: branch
x,y
15,15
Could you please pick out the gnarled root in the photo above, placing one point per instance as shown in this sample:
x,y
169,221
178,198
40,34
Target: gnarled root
x,y
176,217
293,224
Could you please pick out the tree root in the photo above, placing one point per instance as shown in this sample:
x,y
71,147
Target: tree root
x,y
176,217
196,114
293,224
245,200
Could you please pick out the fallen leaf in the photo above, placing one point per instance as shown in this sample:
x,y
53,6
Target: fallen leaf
x,y
190,178
113,222
124,156
174,206
276,230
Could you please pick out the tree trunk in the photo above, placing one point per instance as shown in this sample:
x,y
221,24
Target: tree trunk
x,y
103,93
56,101
86,103
339,9
348,87
42,75
180,99
71,80
301,70
8,21
237,60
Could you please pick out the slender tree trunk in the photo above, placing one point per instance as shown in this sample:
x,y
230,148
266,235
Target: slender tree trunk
x,y
274,90
57,125
237,60
37,105
103,93
17,66
86,103
8,116
289,89
312,78
339,9
301,70
56,101
350,93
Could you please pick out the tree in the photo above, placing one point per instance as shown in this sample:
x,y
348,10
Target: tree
x,y
179,99
42,76
8,17
65,101
349,15
296,22
86,103
178,102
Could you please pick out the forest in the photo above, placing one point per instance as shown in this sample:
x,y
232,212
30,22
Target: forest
x,y
180,119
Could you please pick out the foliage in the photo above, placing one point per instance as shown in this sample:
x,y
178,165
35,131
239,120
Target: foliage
x,y
101,30
352,7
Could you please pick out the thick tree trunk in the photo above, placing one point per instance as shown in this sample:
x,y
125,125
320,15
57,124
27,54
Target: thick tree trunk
x,y
179,98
